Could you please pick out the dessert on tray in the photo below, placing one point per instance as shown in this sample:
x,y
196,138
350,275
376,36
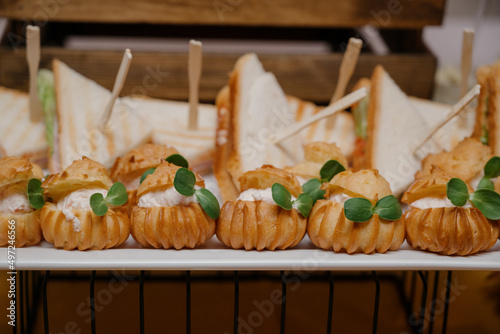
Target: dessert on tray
x,y
20,201
348,194
84,208
173,209
130,168
438,223
270,213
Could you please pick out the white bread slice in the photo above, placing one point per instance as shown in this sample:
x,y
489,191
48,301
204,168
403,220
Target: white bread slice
x,y
394,128
169,121
80,104
19,136
259,109
450,134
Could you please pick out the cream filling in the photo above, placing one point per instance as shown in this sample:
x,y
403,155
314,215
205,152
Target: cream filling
x,y
339,198
264,195
15,203
436,202
166,198
78,200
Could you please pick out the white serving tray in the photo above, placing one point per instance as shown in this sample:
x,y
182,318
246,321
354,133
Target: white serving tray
x,y
215,256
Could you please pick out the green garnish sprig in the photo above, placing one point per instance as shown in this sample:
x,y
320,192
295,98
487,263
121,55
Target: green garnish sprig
x,y
184,182
485,200
117,195
491,171
327,172
360,210
175,159
283,198
35,194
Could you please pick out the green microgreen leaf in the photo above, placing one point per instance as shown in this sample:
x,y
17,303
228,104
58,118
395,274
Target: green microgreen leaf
x,y
388,208
313,188
208,202
358,209
184,181
35,193
486,184
146,173
98,205
117,195
330,169
488,202
282,196
178,160
492,168
457,192
304,204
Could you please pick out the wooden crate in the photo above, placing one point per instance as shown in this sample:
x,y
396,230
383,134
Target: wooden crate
x,y
308,76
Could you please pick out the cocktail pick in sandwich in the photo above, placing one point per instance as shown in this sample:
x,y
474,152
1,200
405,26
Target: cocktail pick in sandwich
x,y
454,111
329,111
349,62
33,57
194,73
117,88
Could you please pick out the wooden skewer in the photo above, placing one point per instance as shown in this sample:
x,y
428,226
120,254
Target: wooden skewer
x,y
33,57
455,110
194,73
349,62
119,81
465,64
340,105
467,47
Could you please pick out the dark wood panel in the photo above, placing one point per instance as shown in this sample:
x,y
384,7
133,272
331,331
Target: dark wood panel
x,y
311,77
317,13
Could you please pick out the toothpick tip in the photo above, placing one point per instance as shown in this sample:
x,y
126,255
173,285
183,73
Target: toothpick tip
x,y
355,41
469,30
195,42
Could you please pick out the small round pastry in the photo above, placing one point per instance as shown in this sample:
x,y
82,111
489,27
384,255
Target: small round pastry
x,y
254,220
329,228
129,168
433,223
15,208
68,221
466,161
316,154
163,218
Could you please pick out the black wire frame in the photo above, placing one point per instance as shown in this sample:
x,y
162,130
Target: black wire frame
x,y
32,287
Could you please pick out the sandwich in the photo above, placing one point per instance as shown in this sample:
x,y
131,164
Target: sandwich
x,y
72,218
487,112
389,125
255,108
78,129
19,212
169,123
19,136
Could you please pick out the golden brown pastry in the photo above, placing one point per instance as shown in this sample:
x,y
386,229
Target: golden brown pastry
x,y
254,221
15,174
433,223
163,218
316,154
466,161
129,168
329,229
68,221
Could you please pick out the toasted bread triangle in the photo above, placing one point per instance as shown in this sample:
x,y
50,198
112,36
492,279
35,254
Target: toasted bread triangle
x,y
80,105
